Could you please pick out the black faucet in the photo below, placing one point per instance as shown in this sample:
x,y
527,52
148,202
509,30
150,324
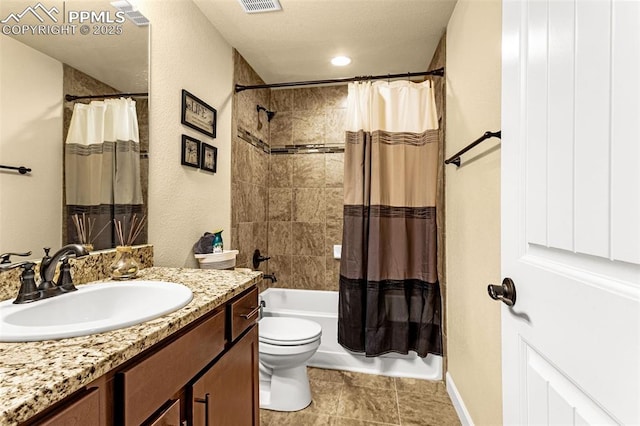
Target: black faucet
x,y
271,277
48,270
29,291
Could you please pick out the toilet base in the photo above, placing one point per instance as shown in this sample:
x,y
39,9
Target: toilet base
x,y
285,389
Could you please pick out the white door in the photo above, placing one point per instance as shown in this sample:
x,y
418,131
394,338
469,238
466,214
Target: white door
x,y
571,211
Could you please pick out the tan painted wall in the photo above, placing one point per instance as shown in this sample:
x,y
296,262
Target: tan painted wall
x,y
186,53
473,207
30,122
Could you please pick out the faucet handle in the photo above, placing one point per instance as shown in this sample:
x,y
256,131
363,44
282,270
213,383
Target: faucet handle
x,y
258,258
6,257
65,281
28,290
26,265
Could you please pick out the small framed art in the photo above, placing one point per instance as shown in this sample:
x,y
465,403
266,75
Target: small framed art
x,y
198,115
190,151
209,158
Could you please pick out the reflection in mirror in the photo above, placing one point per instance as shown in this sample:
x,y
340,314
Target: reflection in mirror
x,y
103,172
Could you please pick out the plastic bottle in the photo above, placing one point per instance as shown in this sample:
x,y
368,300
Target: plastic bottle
x,y
218,245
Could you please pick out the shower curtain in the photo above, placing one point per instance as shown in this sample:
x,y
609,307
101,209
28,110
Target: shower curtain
x,y
389,297
102,166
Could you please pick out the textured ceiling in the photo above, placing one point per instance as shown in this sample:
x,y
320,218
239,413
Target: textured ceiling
x,y
121,61
381,36
297,43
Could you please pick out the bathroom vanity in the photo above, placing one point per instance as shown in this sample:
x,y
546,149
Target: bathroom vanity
x,y
197,365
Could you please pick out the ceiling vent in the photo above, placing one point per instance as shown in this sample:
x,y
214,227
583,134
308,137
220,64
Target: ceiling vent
x,y
259,6
131,12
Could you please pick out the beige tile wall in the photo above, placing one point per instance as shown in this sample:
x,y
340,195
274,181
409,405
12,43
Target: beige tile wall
x,y
305,190
288,206
305,116
249,168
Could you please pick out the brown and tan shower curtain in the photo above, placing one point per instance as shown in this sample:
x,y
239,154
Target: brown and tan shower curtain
x,y
389,293
102,166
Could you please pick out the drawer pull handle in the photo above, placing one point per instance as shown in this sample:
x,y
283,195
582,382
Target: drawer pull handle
x,y
254,310
204,401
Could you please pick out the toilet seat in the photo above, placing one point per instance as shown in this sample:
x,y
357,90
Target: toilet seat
x,y
281,331
283,350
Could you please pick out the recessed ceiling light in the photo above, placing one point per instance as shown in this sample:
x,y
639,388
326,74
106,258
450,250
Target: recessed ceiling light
x,y
341,61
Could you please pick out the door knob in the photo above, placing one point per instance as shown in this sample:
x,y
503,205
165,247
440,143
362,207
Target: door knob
x,y
506,293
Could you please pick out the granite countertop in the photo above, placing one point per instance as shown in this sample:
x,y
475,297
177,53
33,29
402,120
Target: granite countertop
x,y
35,375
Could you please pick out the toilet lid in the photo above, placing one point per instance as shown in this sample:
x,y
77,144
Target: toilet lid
x,y
285,331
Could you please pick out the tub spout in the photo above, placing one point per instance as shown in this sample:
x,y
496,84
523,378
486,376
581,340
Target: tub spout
x,y
271,277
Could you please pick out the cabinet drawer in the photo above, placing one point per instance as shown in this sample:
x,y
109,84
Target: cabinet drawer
x,y
169,417
244,313
154,380
83,411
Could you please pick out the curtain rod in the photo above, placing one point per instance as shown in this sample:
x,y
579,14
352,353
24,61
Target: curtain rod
x,y
71,98
455,158
438,72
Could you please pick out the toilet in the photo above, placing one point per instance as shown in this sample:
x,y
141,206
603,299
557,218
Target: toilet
x,y
285,344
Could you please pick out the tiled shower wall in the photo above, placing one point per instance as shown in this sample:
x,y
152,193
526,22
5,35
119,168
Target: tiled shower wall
x,y
305,190
289,206
249,168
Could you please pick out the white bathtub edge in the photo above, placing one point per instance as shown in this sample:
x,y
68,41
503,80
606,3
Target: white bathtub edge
x,y
322,307
458,403
384,366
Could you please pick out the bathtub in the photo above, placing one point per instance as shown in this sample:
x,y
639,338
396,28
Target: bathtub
x,y
322,307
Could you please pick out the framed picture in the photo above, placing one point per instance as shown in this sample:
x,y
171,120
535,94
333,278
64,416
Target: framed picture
x,y
198,115
209,158
190,151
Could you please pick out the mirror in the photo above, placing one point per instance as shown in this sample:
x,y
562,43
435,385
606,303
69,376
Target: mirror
x,y
49,49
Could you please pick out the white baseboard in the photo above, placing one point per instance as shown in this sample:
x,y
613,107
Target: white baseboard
x,y
458,403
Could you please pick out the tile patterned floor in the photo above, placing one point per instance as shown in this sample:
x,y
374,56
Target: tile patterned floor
x,y
342,398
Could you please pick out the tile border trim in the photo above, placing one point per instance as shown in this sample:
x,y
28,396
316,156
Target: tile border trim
x,y
307,149
246,136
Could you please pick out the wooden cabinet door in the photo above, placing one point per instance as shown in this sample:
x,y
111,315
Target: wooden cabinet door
x,y
148,384
83,411
227,394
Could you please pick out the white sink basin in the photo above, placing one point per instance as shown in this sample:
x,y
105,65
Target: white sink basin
x,y
92,309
